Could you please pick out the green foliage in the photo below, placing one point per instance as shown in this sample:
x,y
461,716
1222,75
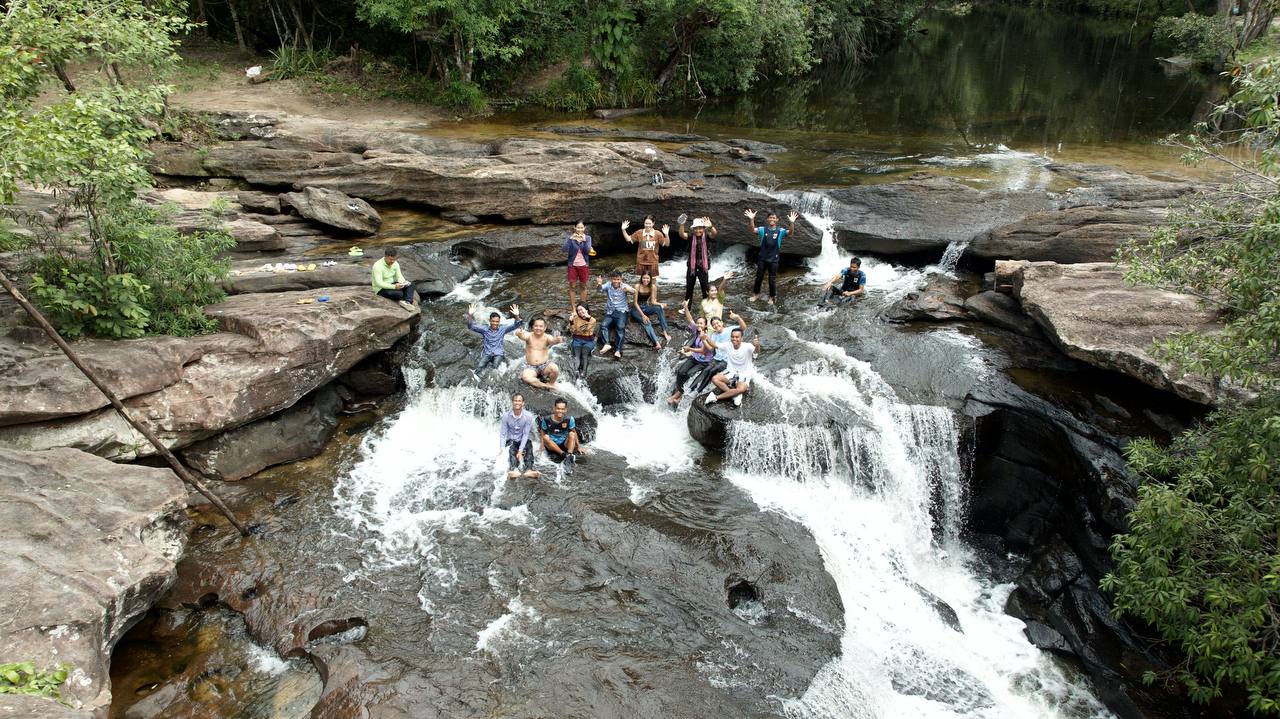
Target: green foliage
x,y
613,41
81,301
465,95
1204,39
183,272
1201,561
289,61
23,678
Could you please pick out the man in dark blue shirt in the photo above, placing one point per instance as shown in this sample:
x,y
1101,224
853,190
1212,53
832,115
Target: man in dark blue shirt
x,y
771,236
560,436
853,284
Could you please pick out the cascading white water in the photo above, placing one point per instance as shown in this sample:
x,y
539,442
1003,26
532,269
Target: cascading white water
x,y
869,492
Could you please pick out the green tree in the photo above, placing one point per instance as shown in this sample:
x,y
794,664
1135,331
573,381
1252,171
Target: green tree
x,y
1201,560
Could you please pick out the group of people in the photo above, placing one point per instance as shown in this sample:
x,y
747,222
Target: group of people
x,y
717,354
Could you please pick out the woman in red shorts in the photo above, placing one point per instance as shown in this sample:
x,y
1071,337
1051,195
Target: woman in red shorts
x,y
577,250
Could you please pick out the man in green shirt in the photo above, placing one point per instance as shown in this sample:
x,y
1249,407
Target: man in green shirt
x,y
389,281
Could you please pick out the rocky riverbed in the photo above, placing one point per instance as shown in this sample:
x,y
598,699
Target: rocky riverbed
x,y
691,565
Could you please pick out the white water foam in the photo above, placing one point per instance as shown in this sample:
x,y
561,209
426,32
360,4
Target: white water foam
x,y
884,499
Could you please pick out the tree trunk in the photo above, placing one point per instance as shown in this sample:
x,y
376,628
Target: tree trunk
x,y
61,72
235,22
1256,21
302,26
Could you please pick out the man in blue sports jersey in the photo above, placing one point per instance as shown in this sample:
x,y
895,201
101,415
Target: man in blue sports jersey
x,y
560,436
771,236
853,285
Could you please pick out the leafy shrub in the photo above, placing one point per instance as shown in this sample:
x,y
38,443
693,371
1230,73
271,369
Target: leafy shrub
x,y
183,272
466,95
79,300
288,61
1204,39
22,678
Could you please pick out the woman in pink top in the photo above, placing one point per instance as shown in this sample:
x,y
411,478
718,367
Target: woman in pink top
x,y
577,250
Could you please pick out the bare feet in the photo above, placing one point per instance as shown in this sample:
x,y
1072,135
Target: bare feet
x,y
755,297
770,300
617,355
605,350
512,474
674,399
657,345
532,474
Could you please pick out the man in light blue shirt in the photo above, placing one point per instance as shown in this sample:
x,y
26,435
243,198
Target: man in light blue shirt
x,y
491,352
615,312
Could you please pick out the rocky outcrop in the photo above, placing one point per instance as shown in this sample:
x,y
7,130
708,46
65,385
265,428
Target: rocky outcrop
x,y
296,433
529,180
1001,310
333,208
270,352
1089,312
940,300
511,248
1075,234
1112,187
923,214
89,546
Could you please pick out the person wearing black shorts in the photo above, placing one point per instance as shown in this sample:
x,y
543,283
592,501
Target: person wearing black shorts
x,y
560,436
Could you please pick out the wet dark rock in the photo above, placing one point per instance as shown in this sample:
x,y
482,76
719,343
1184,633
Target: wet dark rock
x,y
1001,310
923,214
373,376
296,433
1074,234
723,151
756,146
739,590
462,218
1047,638
941,300
944,611
334,208
89,546
511,248
1110,186
937,681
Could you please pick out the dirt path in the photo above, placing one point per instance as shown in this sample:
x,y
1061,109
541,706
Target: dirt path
x,y
213,79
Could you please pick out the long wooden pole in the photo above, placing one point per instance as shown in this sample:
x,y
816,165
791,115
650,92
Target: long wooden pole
x,y
169,457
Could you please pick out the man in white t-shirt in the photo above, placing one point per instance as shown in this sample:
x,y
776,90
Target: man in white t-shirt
x,y
740,368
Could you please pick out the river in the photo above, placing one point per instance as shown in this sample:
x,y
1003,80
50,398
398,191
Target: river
x,y
818,568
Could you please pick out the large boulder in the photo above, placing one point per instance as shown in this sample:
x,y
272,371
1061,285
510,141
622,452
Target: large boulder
x,y
334,208
511,247
923,214
296,433
1075,234
40,383
1091,314
247,280
1001,310
940,300
89,546
1113,187
271,352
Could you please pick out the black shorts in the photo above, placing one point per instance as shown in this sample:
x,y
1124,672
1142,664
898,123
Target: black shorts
x,y
558,458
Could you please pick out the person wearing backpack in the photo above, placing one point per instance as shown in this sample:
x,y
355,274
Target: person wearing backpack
x,y
771,236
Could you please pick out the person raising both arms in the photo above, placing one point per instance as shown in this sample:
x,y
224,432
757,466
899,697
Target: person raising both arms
x,y
645,305
560,436
771,236
699,263
647,242
538,370
491,352
697,355
515,434
853,285
713,304
616,308
740,369
582,330
389,281
577,250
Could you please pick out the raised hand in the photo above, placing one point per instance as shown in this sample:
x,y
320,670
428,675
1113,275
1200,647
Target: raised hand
x,y
625,225
729,275
684,305
471,309
793,216
666,229
706,221
515,310
750,213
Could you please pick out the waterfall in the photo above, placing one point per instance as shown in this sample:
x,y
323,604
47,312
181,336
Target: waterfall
x,y
951,257
883,496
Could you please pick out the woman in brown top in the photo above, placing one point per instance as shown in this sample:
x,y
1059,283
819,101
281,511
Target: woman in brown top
x,y
582,328
647,242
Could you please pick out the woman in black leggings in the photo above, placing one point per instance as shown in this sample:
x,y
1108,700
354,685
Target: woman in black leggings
x,y
698,355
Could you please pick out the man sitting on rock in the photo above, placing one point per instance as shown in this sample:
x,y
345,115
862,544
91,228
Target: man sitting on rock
x,y
491,352
560,436
538,370
514,434
740,369
389,281
853,285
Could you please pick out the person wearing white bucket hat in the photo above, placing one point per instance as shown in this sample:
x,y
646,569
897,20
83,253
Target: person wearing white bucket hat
x,y
699,254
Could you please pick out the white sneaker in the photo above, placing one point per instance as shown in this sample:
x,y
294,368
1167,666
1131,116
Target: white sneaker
x,y
406,305
711,398
737,400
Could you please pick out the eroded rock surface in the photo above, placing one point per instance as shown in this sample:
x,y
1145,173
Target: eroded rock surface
x,y
1075,234
1089,312
269,353
89,546
334,208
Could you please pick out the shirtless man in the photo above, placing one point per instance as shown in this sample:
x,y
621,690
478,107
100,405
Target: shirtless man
x,y
538,370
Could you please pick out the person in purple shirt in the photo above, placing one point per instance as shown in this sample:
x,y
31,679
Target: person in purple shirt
x,y
578,252
491,352
514,435
697,356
